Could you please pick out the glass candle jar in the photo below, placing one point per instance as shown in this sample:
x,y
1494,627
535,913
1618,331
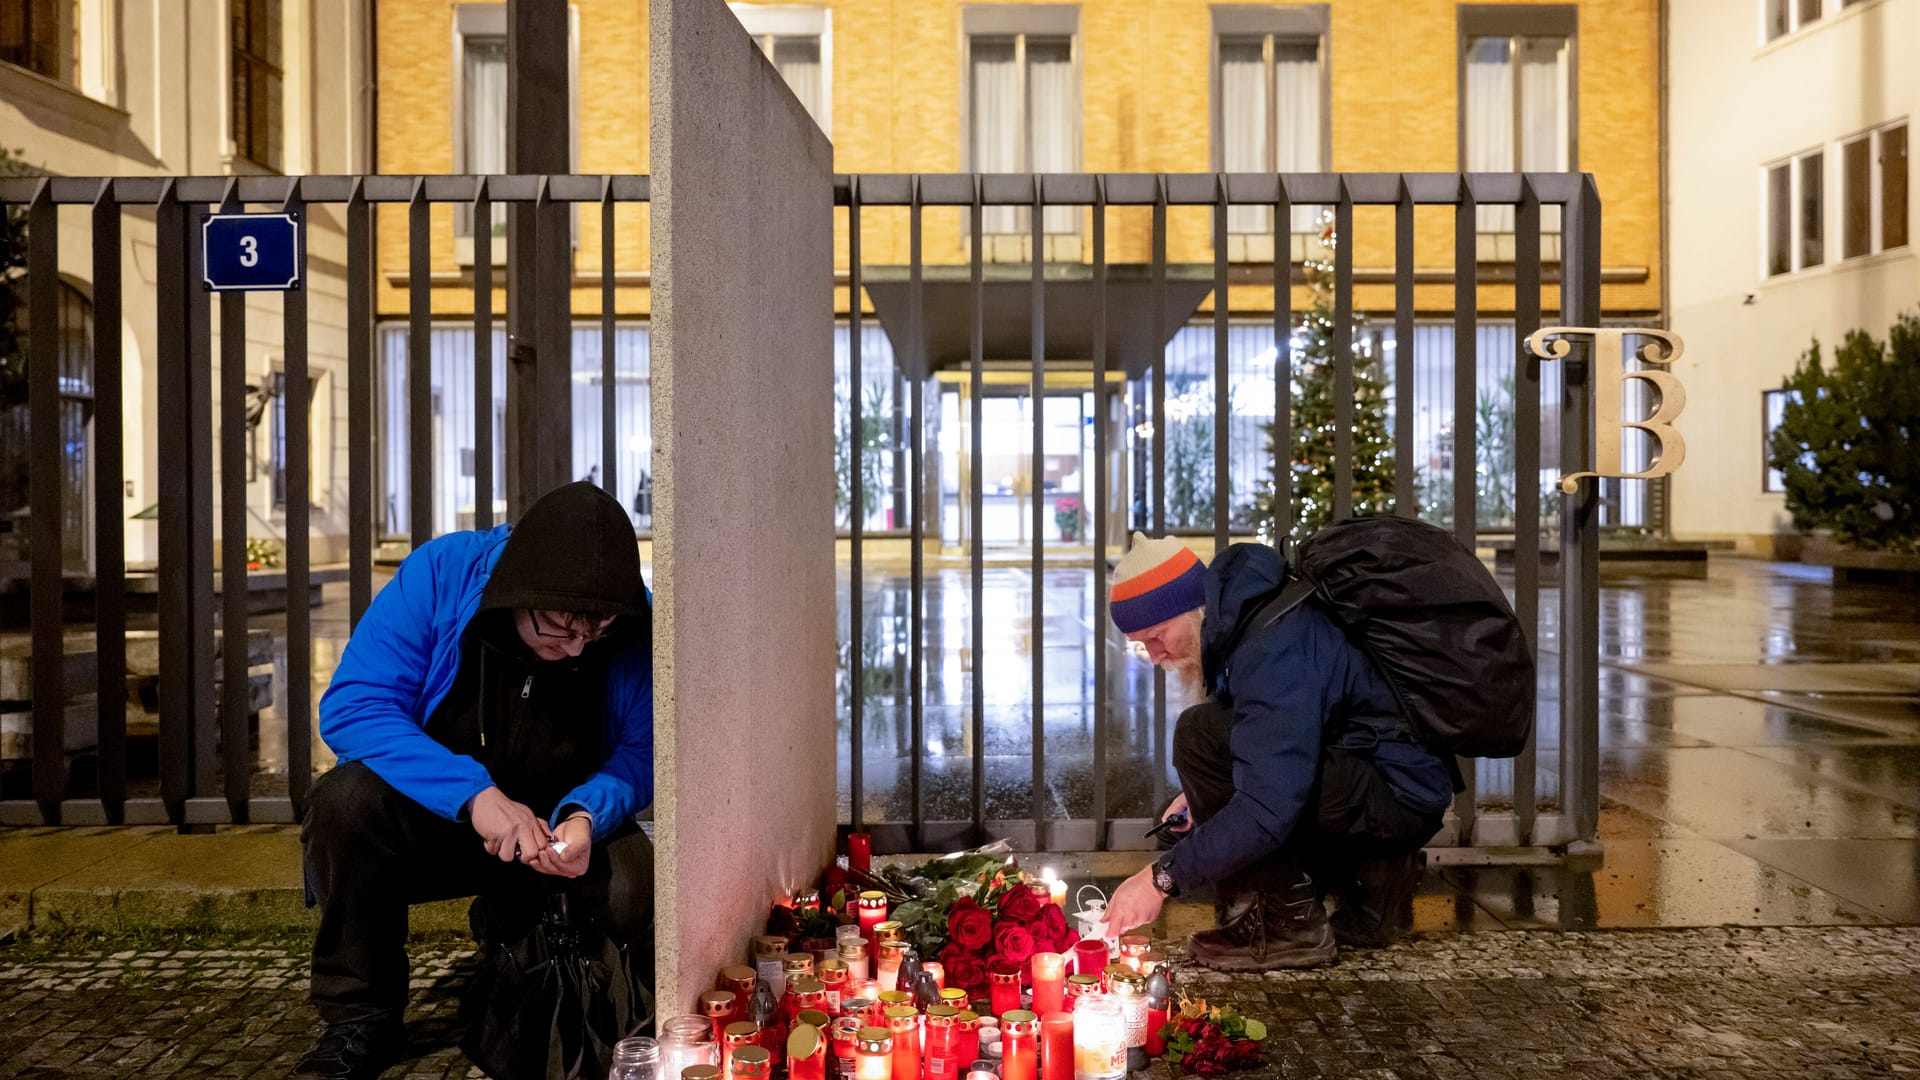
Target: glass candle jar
x,y
1089,956
765,945
844,1032
750,1063
940,1060
797,965
939,972
890,931
813,1018
1019,1045
822,949
1129,988
983,1070
720,1007
966,1035
1080,987
804,993
1049,983
1003,987
871,909
904,1022
700,1072
833,978
860,1008
806,1053
1099,1040
1056,1046
873,1054
1132,948
853,954
687,1041
740,979
954,996
737,1036
869,989
635,1059
1151,961
887,968
890,998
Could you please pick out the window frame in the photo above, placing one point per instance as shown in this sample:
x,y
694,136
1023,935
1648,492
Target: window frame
x,y
1875,139
60,48
1513,21
489,20
240,146
1292,24
1795,164
1020,22
766,22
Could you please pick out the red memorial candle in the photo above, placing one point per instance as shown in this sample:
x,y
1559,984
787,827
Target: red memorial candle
x,y
1003,986
806,1054
873,1054
1080,986
942,1058
720,1007
871,911
1056,1046
1089,956
966,1038
939,972
904,1023
740,979
1049,983
737,1036
751,1063
1156,1022
860,852
1019,1045
845,1033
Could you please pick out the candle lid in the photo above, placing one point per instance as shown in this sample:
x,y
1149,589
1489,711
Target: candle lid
x,y
700,1072
1083,980
768,944
718,998
743,1029
873,896
875,1040
1019,1021
968,1018
831,966
894,945
806,985
954,993
803,1042
846,1028
891,930
799,963
901,1012
946,1014
891,998
852,950
754,1055
813,1017
1129,980
738,973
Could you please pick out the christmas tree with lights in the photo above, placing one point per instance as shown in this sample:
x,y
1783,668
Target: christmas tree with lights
x,y
1312,460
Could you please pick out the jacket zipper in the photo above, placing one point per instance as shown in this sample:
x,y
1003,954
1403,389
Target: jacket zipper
x,y
527,690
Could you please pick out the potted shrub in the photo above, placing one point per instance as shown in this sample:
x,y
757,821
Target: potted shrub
x,y
1069,515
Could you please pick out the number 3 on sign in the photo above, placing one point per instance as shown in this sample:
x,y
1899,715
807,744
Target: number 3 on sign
x,y
250,253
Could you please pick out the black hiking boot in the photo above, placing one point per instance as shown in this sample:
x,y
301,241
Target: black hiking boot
x,y
1277,930
352,1050
1376,901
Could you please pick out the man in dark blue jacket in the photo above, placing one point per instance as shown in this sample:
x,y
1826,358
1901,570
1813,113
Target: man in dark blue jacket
x,y
493,719
1300,779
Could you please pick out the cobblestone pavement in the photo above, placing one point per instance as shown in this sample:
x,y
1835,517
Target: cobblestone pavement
x,y
1732,1002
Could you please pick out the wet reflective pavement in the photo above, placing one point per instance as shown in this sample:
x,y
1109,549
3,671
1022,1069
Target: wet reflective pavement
x,y
1760,746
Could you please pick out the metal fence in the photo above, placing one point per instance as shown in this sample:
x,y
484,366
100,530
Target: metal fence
x,y
1519,816
206,775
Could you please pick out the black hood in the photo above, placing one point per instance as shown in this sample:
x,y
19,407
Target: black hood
x,y
1240,581
572,551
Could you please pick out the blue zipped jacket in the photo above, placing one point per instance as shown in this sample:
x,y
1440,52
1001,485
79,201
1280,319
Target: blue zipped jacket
x,y
1292,687
401,661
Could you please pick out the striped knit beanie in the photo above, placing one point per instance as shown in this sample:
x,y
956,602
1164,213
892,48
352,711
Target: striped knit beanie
x,y
1155,581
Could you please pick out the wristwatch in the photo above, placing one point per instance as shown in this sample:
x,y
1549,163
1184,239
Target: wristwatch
x,y
1163,879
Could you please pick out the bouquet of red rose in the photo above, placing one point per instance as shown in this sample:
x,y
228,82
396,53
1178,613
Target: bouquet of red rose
x,y
973,909
1210,1041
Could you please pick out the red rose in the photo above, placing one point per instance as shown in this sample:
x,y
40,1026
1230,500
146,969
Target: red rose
x,y
1020,905
964,969
1049,926
968,924
1012,942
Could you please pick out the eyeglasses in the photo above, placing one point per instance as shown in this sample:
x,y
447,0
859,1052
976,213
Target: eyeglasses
x,y
546,624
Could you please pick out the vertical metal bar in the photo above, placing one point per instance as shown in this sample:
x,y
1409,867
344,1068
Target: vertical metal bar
x,y
539,101
1037,636
199,467
976,510
1580,529
109,511
1465,471
1343,353
235,693
299,406
857,510
1222,410
419,368
47,602
1526,479
1159,345
1282,365
359,404
483,449
553,342
609,378
916,515
173,343
1099,508
1405,500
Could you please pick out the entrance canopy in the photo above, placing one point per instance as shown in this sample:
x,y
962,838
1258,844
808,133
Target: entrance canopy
x,y
1007,326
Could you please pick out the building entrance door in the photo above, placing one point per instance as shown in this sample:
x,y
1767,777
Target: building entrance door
x,y
1007,475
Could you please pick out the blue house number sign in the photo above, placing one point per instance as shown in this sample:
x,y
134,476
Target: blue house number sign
x,y
251,252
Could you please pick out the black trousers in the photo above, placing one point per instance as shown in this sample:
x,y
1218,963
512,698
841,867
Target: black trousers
x,y
371,851
1351,816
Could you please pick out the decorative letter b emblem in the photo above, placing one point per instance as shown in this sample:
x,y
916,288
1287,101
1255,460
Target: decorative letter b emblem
x,y
1609,374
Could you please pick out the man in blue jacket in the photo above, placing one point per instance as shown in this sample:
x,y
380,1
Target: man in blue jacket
x,y
1300,778
493,719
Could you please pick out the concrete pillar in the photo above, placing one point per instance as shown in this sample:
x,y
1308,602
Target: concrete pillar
x,y
744,731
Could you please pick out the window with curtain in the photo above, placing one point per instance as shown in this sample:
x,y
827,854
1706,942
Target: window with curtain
x,y
1518,117
1023,109
30,36
1796,229
1873,178
482,147
1269,117
256,74
797,40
